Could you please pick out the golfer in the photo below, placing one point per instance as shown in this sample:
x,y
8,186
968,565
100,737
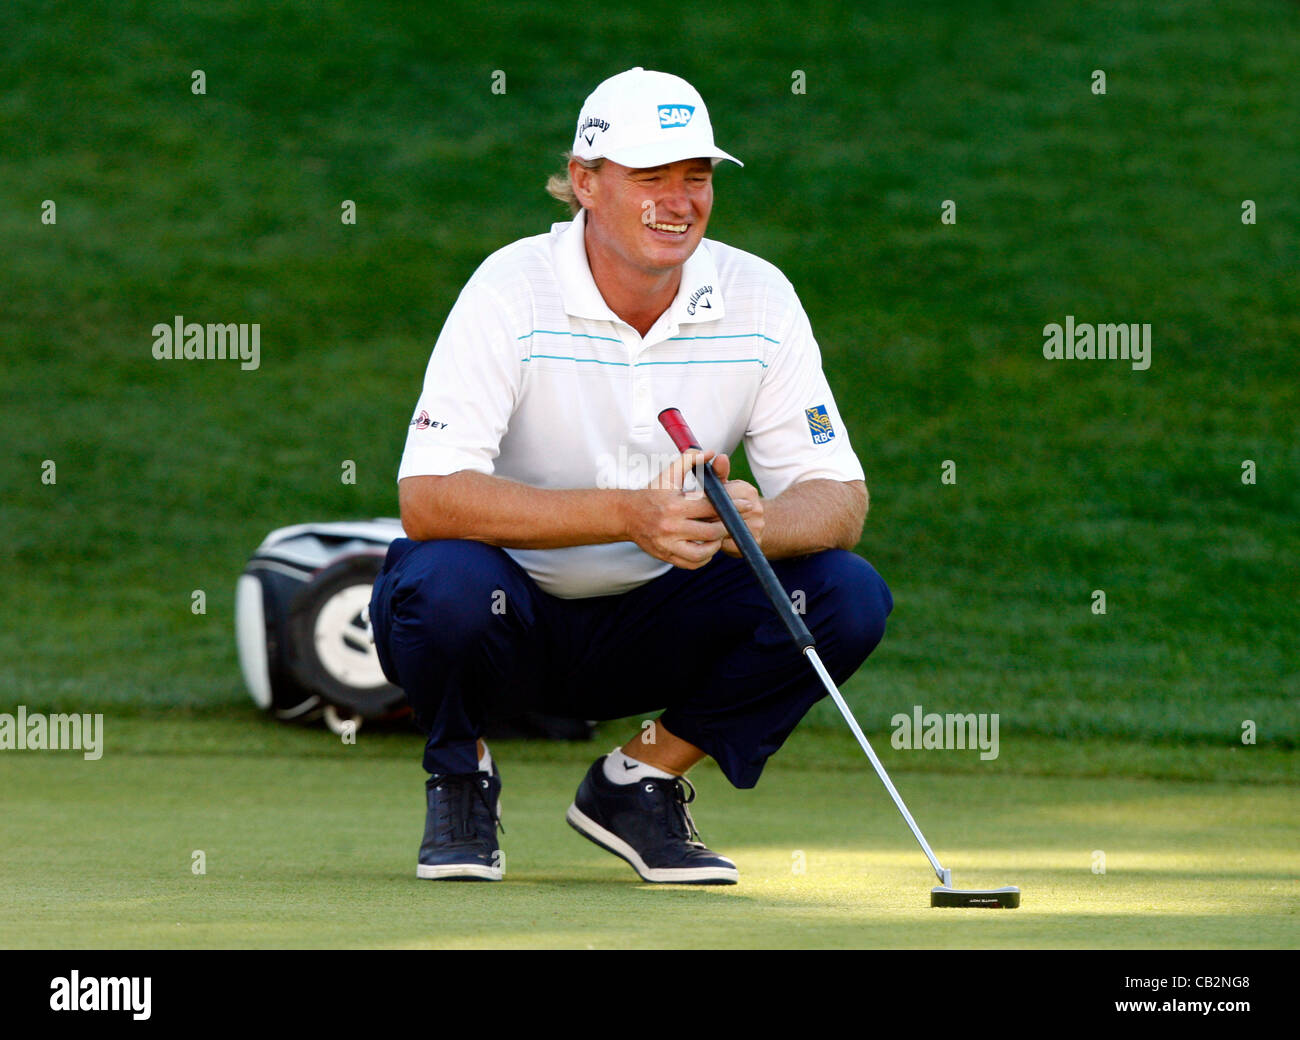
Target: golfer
x,y
559,557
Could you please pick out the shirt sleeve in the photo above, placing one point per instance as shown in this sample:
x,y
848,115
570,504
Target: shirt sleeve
x,y
470,390
795,430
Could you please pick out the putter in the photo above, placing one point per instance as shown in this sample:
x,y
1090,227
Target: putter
x,y
941,895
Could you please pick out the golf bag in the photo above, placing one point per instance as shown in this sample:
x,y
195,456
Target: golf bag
x,y
302,625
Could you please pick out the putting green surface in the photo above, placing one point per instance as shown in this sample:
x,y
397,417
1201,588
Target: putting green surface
x,y
307,842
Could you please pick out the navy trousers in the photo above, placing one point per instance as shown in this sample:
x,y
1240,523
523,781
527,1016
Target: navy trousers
x,y
462,628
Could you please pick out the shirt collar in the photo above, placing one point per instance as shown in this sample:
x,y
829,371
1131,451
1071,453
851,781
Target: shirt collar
x,y
699,297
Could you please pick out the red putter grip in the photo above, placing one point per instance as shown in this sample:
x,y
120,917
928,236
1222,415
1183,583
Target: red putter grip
x,y
672,421
745,541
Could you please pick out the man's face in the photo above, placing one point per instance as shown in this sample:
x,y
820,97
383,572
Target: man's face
x,y
648,219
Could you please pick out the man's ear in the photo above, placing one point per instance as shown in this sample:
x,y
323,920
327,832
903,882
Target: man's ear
x,y
581,179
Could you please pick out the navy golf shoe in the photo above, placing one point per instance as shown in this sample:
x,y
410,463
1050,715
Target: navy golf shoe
x,y
460,828
648,824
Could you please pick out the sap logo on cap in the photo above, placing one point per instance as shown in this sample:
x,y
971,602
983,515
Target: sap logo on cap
x,y
819,424
675,115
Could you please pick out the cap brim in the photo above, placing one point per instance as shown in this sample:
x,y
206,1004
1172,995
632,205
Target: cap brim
x,y
657,155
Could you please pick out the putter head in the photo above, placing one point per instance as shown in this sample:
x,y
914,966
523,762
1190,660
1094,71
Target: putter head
x,y
993,898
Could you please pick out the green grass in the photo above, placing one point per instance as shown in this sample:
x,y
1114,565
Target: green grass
x,y
1071,477
311,843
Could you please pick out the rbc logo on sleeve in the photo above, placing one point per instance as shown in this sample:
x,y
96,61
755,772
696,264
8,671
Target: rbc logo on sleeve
x,y
675,115
819,424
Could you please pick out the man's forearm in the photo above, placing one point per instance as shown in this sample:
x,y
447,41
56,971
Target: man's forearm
x,y
807,517
813,515
483,508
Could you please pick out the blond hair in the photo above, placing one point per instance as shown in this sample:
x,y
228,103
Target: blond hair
x,y
560,187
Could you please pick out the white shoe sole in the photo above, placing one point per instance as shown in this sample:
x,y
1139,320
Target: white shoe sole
x,y
590,829
464,871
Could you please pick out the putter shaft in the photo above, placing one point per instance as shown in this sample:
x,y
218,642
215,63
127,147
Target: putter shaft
x,y
685,440
944,874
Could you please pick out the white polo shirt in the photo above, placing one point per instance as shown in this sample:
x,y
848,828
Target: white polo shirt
x,y
535,379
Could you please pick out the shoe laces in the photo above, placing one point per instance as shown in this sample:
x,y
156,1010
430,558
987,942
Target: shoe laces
x,y
464,788
683,793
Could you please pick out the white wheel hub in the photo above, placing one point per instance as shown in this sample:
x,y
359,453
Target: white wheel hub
x,y
343,641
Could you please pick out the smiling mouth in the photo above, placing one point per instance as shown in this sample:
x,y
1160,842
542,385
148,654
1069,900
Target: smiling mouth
x,y
676,229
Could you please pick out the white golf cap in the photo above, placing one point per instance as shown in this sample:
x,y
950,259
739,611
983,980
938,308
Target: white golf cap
x,y
642,119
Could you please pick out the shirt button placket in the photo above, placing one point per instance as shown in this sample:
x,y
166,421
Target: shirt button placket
x,y
642,402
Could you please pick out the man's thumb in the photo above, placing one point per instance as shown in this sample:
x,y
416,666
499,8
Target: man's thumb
x,y
673,478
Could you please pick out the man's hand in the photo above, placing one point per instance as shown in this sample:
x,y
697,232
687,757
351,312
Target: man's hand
x,y
669,524
680,527
747,502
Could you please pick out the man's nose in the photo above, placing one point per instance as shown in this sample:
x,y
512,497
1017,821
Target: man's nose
x,y
676,200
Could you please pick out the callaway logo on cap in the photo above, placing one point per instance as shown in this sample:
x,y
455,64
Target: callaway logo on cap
x,y
641,119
